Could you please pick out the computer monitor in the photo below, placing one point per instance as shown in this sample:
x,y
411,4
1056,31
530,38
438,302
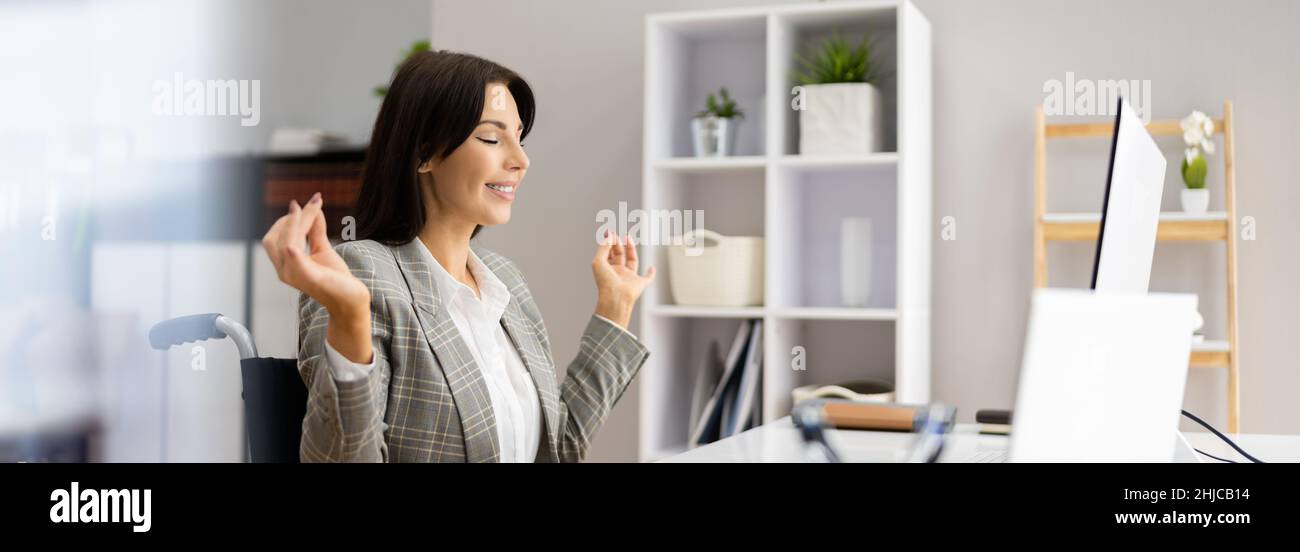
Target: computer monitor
x,y
1130,212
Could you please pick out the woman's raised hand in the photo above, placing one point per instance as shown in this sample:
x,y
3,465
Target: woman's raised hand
x,y
319,272
618,280
322,274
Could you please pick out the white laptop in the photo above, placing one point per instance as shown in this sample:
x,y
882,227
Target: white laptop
x,y
1103,376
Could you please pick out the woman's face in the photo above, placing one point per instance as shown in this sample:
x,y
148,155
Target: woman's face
x,y
477,182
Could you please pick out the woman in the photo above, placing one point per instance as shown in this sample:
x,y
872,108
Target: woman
x,y
417,345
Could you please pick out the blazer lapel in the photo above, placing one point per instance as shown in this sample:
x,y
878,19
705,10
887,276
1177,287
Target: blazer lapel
x,y
535,360
464,378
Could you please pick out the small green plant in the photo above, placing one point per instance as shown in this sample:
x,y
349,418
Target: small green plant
x,y
837,61
1194,172
724,109
416,47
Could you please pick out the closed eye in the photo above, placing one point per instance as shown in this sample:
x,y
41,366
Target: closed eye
x,y
495,142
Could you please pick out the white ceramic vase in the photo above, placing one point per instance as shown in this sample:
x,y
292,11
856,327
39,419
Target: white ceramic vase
x,y
855,261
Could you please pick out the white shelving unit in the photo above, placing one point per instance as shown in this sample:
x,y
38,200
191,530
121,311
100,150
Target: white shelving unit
x,y
795,202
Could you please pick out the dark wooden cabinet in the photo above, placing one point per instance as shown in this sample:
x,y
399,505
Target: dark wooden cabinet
x,y
336,175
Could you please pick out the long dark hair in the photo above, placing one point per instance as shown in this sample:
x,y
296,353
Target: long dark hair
x,y
431,108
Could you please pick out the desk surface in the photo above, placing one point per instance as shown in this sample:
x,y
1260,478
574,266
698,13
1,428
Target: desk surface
x,y
779,441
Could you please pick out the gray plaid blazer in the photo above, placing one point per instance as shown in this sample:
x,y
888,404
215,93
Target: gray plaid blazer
x,y
426,399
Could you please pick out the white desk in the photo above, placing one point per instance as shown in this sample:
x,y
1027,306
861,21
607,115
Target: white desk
x,y
779,442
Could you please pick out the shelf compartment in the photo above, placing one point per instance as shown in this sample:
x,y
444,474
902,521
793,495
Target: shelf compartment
x,y
680,346
687,58
801,29
729,202
803,256
834,351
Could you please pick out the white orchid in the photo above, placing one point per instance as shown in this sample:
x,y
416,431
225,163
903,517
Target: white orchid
x,y
1197,130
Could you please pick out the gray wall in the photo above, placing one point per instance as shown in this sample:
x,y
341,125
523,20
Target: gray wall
x,y
585,61
318,59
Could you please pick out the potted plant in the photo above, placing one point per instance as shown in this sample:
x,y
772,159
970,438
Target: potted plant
x,y
714,128
1197,130
841,109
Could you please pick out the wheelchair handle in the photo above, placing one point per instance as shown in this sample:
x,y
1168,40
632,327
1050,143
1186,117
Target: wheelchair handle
x,y
201,327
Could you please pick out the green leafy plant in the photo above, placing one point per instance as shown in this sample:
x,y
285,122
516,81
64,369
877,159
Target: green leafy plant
x,y
838,61
724,109
416,47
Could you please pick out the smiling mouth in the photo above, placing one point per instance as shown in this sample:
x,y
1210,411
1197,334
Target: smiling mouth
x,y
503,188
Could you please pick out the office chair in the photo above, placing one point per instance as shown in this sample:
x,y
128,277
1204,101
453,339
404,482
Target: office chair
x,y
275,398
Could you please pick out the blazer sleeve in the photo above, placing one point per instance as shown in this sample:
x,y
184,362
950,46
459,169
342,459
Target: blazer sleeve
x,y
609,357
344,419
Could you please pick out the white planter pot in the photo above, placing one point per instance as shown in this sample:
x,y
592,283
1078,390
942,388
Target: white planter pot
x,y
841,118
1195,201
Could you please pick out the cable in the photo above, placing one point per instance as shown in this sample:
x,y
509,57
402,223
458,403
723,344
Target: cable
x,y
1221,436
1215,457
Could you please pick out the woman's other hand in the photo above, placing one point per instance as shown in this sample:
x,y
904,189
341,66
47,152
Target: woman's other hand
x,y
618,281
